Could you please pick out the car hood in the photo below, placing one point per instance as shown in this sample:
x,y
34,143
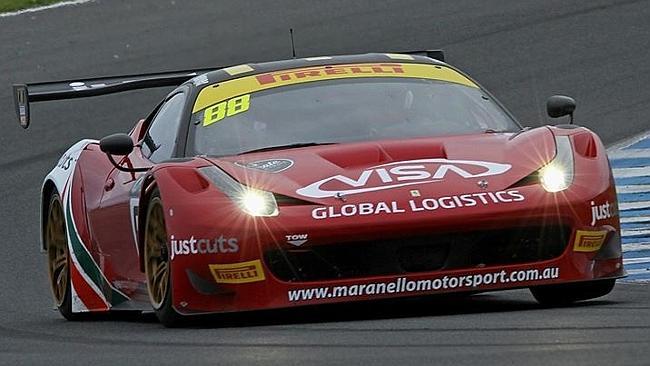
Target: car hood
x,y
376,170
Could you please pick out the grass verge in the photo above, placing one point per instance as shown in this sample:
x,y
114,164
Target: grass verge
x,y
13,5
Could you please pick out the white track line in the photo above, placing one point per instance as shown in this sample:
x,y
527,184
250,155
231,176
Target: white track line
x,y
636,247
46,7
636,260
631,153
633,205
635,220
634,233
641,188
617,151
638,271
631,172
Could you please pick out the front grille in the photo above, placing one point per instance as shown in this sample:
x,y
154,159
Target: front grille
x,y
439,251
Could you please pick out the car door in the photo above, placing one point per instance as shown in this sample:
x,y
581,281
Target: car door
x,y
116,218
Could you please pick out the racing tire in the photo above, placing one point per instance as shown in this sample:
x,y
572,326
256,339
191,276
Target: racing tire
x,y
157,265
58,257
565,294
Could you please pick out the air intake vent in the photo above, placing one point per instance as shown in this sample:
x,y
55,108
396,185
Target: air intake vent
x,y
437,251
283,200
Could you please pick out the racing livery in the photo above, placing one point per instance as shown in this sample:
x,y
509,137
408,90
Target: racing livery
x,y
323,180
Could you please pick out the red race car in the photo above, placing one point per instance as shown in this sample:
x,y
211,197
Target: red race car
x,y
323,180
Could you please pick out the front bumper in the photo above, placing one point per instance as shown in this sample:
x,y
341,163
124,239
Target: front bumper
x,y
580,245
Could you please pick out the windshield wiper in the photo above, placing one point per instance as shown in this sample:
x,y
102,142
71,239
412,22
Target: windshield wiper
x,y
287,146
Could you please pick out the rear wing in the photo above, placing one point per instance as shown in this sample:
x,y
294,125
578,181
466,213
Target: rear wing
x,y
24,94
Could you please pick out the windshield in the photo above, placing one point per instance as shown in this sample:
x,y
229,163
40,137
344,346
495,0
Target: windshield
x,y
344,110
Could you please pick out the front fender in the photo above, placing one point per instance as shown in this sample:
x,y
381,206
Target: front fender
x,y
205,228
58,178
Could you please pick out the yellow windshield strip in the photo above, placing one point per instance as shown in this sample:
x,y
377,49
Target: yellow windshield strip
x,y
249,84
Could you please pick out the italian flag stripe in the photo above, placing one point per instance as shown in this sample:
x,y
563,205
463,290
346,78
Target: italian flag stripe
x,y
86,262
88,296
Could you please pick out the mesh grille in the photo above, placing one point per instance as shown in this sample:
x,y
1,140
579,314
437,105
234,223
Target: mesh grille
x,y
439,251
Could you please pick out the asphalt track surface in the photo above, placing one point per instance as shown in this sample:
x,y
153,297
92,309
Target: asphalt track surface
x,y
523,51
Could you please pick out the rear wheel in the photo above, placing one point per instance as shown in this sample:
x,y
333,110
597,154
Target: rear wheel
x,y
157,265
564,294
58,257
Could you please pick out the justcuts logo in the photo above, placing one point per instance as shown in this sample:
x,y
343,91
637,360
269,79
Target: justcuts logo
x,y
203,246
401,174
601,212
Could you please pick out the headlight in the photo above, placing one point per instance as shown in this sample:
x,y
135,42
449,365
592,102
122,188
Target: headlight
x,y
258,203
557,175
253,201
553,178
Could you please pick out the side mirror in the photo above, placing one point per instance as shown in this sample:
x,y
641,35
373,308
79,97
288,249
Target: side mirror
x,y
119,144
559,106
116,144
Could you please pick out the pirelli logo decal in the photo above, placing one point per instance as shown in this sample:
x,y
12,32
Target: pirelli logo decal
x,y
243,272
213,94
321,72
589,241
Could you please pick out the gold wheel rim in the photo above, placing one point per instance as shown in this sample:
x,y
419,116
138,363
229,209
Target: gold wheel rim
x,y
57,251
156,260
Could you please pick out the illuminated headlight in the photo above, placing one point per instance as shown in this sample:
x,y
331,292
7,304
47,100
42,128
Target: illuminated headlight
x,y
557,175
252,201
554,178
258,203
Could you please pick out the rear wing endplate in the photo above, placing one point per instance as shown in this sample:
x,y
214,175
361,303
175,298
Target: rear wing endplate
x,y
434,54
24,94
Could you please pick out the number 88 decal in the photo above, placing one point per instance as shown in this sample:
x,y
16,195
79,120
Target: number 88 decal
x,y
227,108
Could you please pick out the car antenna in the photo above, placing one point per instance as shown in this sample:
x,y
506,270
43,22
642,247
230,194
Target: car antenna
x,y
293,46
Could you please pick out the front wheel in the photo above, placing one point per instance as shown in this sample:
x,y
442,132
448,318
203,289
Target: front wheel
x,y
564,294
157,265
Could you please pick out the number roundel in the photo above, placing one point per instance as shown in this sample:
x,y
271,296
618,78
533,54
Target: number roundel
x,y
227,108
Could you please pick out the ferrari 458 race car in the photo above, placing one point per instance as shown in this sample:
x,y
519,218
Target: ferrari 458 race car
x,y
323,180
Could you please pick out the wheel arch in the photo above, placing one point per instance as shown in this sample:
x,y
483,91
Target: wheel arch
x,y
158,182
49,187
148,186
